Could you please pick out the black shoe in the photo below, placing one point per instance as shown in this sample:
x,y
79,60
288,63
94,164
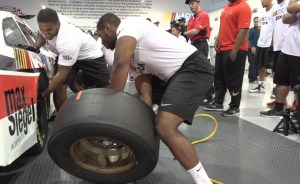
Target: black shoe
x,y
213,106
272,113
231,112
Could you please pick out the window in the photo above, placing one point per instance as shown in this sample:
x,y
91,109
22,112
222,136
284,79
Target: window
x,y
12,33
30,36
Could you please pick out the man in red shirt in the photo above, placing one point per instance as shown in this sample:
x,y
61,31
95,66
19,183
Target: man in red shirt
x,y
198,28
231,46
198,31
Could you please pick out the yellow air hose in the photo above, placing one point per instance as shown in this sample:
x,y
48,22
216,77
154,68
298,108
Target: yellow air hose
x,y
208,137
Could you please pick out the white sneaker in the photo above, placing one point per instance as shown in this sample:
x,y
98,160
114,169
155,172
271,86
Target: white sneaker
x,y
259,89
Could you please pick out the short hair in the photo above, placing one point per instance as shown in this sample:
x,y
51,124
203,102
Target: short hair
x,y
109,18
255,18
176,26
47,15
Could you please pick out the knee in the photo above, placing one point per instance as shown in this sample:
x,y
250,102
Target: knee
x,y
163,130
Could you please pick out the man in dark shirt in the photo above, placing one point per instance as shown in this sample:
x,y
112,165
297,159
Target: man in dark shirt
x,y
182,27
253,36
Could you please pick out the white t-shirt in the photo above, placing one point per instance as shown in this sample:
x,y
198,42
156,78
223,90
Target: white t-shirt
x,y
158,51
266,28
291,44
280,29
135,69
181,38
72,44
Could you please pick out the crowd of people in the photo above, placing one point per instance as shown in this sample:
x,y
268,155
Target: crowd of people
x,y
173,71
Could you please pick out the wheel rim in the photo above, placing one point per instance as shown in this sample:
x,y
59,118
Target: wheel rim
x,y
102,155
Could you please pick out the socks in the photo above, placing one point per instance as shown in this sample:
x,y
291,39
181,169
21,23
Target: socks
x,y
279,106
199,175
262,83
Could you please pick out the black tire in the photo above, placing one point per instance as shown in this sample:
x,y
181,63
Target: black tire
x,y
106,136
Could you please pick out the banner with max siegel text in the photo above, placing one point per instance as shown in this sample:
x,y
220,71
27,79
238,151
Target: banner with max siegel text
x,y
18,114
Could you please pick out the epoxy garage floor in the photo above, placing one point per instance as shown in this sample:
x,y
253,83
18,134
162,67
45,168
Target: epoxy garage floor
x,y
241,152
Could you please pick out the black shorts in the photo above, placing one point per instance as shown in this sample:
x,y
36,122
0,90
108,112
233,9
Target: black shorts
x,y
158,89
202,46
187,88
94,73
264,57
287,70
275,59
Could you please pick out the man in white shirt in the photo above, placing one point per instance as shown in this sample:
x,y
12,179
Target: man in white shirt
x,y
187,72
288,66
264,49
279,34
76,51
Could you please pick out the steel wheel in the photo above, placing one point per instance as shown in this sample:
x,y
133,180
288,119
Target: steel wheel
x,y
102,155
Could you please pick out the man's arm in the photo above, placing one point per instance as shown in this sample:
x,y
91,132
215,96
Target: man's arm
x,y
125,47
191,33
40,40
293,9
203,20
238,43
58,79
143,84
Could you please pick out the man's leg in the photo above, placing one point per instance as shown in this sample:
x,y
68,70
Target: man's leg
x,y
60,96
234,73
166,125
219,84
252,73
263,59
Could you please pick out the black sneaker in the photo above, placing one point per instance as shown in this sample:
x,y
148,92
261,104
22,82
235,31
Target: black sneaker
x,y
259,89
231,112
213,106
272,113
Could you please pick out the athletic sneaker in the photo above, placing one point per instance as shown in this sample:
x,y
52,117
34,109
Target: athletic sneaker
x,y
259,89
273,103
273,94
272,113
213,106
231,112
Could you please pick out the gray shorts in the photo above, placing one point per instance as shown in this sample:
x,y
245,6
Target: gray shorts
x,y
188,87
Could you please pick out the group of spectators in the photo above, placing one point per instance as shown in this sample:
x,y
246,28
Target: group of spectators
x,y
182,69
273,47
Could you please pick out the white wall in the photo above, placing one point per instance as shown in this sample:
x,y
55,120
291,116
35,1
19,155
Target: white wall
x,y
160,10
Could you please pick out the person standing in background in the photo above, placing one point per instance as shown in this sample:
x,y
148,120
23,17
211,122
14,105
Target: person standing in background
x,y
279,35
198,28
182,27
288,66
253,36
176,32
232,47
264,44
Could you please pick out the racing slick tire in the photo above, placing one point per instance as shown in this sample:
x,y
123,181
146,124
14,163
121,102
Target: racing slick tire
x,y
104,136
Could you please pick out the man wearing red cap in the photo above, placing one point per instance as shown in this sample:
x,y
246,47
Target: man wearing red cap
x,y
198,28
